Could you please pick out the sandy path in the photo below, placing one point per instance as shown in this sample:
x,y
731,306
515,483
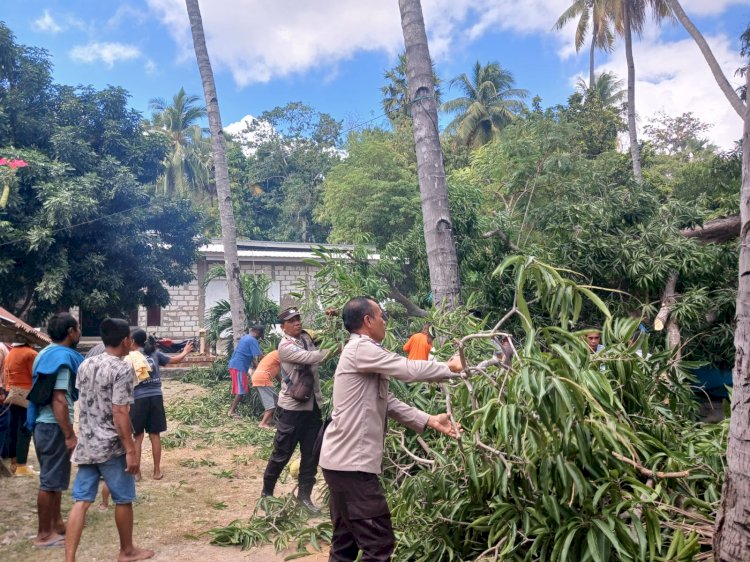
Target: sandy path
x,y
192,498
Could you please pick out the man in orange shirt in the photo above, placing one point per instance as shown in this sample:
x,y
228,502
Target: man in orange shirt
x,y
420,344
17,367
268,369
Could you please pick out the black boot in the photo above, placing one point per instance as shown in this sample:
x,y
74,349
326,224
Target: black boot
x,y
304,498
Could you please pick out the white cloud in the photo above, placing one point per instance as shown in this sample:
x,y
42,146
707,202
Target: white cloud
x,y
708,7
674,77
258,40
242,133
47,23
127,14
108,53
150,67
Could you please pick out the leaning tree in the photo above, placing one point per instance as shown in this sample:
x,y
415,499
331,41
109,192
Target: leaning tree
x,y
226,214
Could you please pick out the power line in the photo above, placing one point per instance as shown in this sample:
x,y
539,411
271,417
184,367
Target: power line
x,y
62,229
344,132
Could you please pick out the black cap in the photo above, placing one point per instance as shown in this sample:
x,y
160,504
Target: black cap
x,y
289,313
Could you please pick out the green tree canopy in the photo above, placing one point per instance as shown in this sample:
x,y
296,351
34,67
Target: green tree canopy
x,y
82,226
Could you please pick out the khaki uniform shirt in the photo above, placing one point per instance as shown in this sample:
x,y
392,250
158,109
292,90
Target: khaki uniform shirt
x,y
361,401
292,355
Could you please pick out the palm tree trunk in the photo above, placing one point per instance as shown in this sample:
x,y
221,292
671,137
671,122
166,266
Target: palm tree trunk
x,y
592,77
226,214
732,533
721,80
635,151
438,229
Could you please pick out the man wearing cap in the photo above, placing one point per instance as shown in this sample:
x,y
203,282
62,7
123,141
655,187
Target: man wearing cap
x,y
299,420
245,356
352,452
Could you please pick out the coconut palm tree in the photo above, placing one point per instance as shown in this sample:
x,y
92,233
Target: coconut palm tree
x,y
594,12
606,86
442,259
629,17
218,143
489,103
178,121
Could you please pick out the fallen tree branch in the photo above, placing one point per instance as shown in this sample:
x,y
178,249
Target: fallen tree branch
x,y
647,472
715,231
411,308
414,457
503,236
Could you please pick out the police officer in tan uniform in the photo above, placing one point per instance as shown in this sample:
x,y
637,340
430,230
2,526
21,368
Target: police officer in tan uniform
x,y
352,450
298,421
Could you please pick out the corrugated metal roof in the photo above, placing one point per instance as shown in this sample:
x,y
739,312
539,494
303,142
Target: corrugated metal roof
x,y
275,250
12,327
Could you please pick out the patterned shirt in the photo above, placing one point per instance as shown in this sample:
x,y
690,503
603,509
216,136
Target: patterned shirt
x,y
103,381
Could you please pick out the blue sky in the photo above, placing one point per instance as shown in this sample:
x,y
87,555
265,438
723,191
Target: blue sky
x,y
331,54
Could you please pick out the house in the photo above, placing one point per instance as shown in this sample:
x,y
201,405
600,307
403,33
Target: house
x,y
282,262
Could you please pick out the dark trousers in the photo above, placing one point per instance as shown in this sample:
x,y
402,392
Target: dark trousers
x,y
20,436
360,517
4,431
294,427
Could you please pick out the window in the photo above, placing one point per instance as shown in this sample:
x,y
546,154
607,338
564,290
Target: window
x,y
153,316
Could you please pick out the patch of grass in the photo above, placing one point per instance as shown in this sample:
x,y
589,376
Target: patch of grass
x,y
220,505
177,438
226,473
196,463
243,460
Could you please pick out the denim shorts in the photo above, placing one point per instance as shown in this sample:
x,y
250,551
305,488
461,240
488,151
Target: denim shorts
x,y
54,459
121,484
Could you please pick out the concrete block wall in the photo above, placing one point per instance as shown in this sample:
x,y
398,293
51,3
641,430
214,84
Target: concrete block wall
x,y
184,315
181,318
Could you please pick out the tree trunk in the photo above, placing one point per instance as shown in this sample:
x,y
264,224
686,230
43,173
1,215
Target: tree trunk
x,y
721,80
668,300
732,533
716,230
635,151
224,196
438,229
592,76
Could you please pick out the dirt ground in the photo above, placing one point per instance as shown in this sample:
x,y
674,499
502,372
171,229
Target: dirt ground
x,y
170,514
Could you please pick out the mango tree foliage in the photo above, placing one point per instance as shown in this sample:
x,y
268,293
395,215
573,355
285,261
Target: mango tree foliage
x,y
551,199
566,456
82,226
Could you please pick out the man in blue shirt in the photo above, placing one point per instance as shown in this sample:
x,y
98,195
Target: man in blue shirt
x,y
50,415
245,357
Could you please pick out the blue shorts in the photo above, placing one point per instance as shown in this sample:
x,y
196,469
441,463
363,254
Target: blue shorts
x,y
121,484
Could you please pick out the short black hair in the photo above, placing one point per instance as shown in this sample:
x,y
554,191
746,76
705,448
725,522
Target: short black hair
x,y
355,311
113,331
142,339
59,324
259,329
